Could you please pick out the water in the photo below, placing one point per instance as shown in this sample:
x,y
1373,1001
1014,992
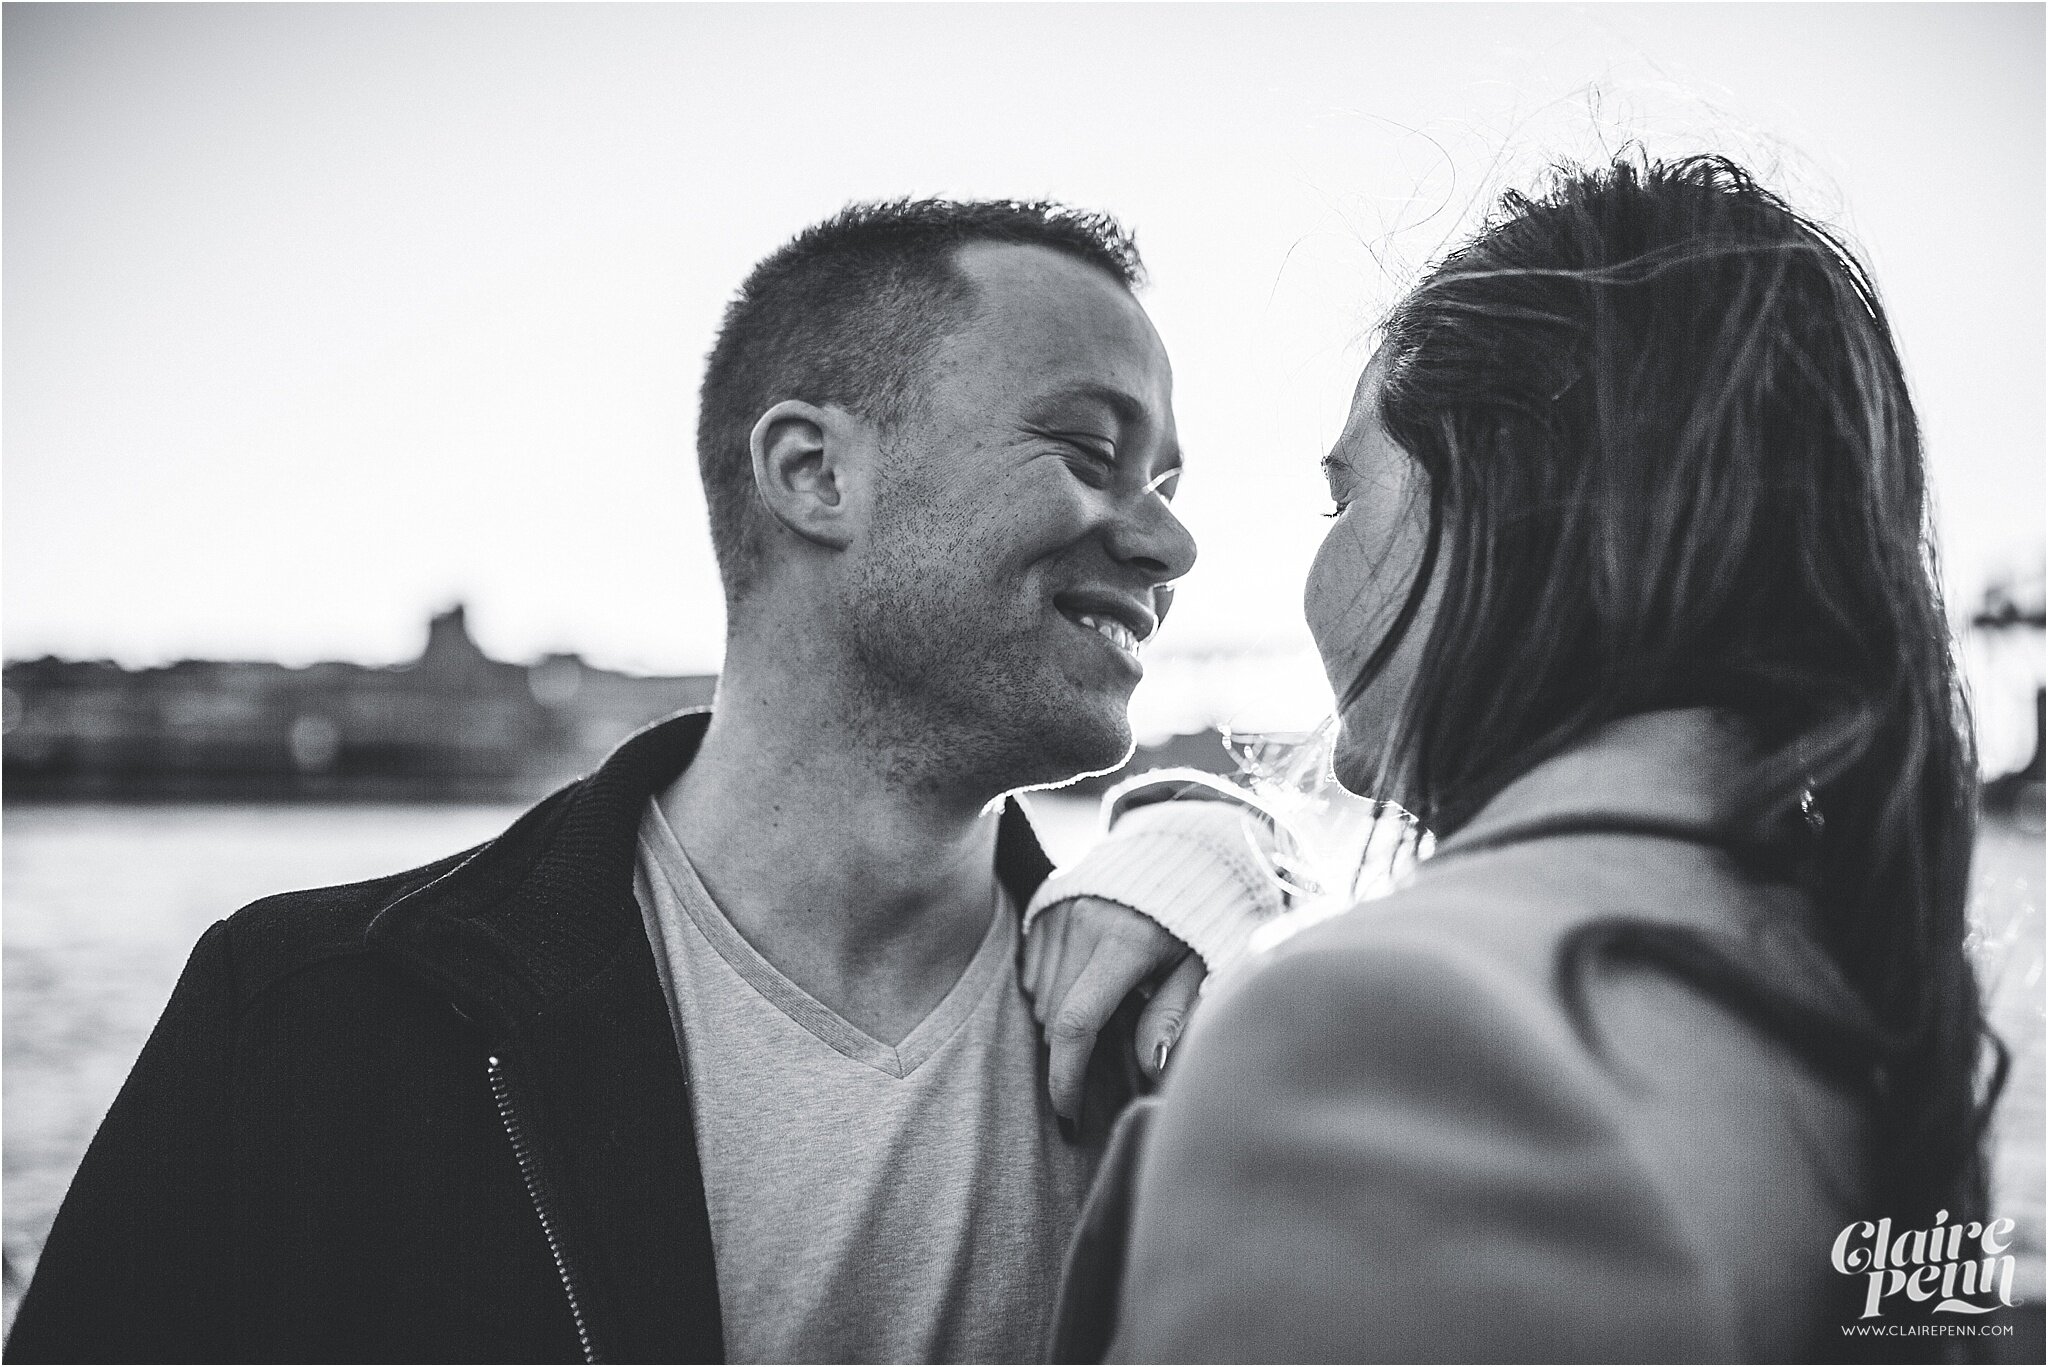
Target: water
x,y
103,904
2006,908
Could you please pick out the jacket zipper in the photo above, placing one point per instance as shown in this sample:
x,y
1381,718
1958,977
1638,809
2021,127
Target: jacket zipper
x,y
529,1173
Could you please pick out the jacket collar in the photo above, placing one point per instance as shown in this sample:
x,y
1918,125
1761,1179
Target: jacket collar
x,y
539,912
1683,770
537,938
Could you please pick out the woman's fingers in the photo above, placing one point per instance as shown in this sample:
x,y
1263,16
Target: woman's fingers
x,y
1103,981
1034,955
1081,959
1045,952
1166,1016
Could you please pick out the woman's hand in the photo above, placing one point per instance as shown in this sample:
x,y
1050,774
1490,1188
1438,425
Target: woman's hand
x,y
1082,957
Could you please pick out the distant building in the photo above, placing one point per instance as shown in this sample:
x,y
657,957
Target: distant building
x,y
453,724
2015,611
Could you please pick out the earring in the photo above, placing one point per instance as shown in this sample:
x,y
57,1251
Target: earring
x,y
1809,807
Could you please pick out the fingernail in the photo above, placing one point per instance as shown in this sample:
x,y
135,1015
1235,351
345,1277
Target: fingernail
x,y
1159,1056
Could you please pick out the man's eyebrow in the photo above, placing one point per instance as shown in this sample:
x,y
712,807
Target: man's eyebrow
x,y
1128,410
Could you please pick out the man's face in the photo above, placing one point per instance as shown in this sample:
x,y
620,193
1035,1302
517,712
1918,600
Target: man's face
x,y
1021,534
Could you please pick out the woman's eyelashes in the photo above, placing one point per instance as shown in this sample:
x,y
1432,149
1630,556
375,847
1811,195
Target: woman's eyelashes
x,y
1336,477
1165,484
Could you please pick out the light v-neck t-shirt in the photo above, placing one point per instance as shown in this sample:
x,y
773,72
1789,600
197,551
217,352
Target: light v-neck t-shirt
x,y
869,1202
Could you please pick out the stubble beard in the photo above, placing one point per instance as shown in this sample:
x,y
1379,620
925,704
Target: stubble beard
x,y
958,707
954,710
963,692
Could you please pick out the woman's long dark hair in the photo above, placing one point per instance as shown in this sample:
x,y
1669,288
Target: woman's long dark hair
x,y
1672,463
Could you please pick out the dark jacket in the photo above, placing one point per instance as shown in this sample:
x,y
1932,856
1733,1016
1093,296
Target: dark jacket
x,y
438,1116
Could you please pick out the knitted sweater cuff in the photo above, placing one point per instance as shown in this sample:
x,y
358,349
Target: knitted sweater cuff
x,y
1199,868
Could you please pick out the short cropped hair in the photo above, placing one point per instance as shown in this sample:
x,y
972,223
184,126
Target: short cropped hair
x,y
847,313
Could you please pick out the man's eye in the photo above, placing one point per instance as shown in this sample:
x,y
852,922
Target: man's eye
x,y
1094,467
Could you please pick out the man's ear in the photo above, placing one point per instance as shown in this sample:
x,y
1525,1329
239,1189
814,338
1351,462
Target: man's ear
x,y
809,467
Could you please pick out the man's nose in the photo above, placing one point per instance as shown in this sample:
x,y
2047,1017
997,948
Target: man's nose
x,y
1149,537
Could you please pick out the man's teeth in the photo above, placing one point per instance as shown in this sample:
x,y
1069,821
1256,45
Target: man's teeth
x,y
1116,632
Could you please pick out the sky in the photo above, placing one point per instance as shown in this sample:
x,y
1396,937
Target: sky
x,y
320,317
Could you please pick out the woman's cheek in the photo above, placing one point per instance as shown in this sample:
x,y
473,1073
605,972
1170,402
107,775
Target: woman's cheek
x,y
1332,591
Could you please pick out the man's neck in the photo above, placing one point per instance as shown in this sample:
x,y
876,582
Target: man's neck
x,y
869,891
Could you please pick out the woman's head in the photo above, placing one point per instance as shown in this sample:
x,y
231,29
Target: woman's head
x,y
1660,442
1656,450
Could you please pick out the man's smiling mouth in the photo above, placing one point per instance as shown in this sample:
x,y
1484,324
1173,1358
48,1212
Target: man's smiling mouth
x,y
1124,624
1112,630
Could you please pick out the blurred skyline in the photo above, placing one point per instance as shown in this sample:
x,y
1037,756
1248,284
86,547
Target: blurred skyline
x,y
321,317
